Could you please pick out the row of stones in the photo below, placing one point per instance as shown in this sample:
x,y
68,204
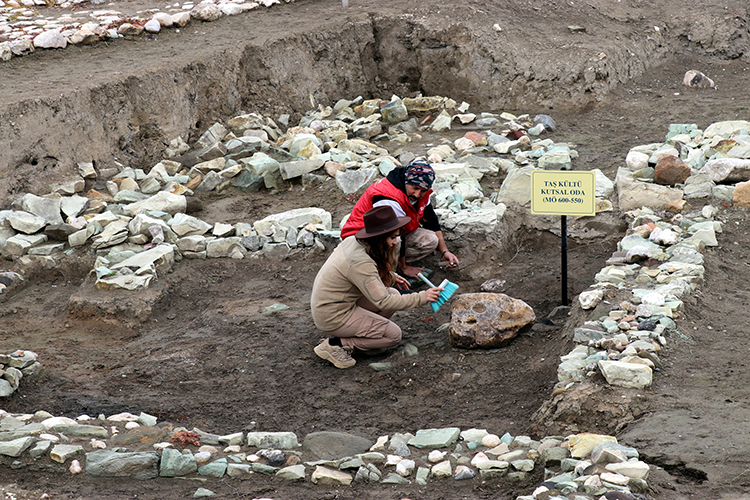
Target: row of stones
x,y
14,367
26,29
140,216
587,464
659,260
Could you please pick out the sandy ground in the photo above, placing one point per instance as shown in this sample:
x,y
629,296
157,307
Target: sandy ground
x,y
207,357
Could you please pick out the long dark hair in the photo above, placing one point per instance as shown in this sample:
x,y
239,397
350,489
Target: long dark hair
x,y
384,257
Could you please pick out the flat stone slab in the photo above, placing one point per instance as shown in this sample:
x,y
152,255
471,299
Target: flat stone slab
x,y
435,438
106,463
333,445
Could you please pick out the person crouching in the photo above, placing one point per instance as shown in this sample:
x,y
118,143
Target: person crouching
x,y
353,296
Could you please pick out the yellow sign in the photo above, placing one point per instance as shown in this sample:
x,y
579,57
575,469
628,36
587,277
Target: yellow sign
x,y
556,192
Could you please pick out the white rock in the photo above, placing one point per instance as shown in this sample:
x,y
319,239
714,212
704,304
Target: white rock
x,y
726,128
51,422
665,237
436,456
206,11
490,440
25,222
443,469
630,375
98,445
442,122
161,201
50,40
636,469
164,19
479,457
379,444
483,221
75,467
405,467
590,298
604,186
636,160
618,479
181,19
324,475
5,51
153,26
462,144
230,9
123,417
516,187
727,170
187,225
653,299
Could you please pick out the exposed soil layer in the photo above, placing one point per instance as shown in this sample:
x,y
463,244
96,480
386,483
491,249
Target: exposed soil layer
x,y
196,349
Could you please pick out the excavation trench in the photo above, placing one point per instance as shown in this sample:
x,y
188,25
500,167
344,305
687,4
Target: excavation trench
x,y
127,117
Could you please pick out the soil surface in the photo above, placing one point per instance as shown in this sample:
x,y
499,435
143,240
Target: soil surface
x,y
197,351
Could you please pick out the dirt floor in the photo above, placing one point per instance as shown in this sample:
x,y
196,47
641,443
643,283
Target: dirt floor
x,y
206,356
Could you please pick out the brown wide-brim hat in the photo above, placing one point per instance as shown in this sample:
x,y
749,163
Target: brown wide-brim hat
x,y
380,220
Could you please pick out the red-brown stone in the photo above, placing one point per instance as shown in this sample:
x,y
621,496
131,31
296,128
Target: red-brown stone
x,y
670,171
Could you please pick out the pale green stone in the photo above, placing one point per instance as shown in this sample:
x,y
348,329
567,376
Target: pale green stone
x,y
292,473
422,474
435,438
203,492
214,469
147,420
394,478
174,464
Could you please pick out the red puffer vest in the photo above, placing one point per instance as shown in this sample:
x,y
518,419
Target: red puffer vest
x,y
384,188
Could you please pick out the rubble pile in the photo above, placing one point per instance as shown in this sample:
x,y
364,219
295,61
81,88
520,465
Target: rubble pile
x,y
138,446
15,366
136,220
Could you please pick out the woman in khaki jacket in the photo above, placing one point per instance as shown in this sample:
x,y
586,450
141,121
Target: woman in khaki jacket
x,y
353,298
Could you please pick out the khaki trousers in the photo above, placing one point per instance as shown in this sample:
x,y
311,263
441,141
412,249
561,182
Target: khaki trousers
x,y
419,244
368,327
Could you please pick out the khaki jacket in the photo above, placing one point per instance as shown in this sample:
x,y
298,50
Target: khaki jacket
x,y
348,274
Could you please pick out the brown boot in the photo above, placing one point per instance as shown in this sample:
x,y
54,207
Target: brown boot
x,y
340,357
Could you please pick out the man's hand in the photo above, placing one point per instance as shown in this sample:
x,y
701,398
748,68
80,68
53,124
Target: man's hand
x,y
452,259
411,271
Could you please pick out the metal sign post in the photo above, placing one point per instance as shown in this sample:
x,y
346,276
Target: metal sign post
x,y
563,193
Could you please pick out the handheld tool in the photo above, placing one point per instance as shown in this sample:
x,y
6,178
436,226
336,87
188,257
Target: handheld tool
x,y
448,290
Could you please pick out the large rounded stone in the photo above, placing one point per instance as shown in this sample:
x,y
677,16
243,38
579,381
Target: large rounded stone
x,y
487,320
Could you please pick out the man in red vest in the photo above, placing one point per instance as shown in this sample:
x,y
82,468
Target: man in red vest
x,y
407,190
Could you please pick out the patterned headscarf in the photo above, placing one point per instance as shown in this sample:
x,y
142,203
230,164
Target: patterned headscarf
x,y
419,173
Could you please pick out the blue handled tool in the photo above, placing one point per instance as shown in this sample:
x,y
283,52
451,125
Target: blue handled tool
x,y
448,290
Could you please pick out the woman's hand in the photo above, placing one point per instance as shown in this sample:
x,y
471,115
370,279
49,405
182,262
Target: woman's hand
x,y
402,282
433,294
